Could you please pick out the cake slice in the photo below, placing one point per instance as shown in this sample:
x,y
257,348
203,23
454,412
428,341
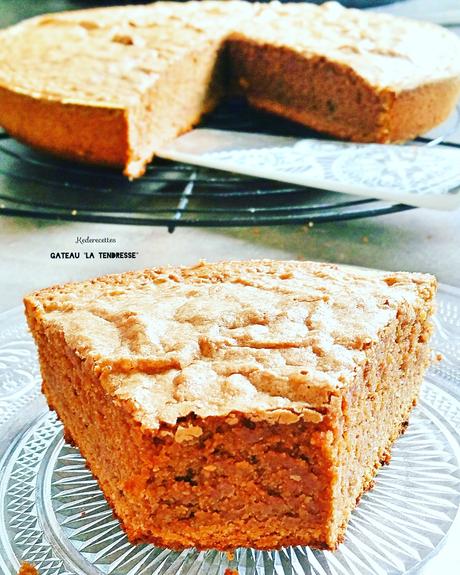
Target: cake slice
x,y
354,74
235,404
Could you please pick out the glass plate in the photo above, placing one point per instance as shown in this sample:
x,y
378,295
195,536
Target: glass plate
x,y
53,515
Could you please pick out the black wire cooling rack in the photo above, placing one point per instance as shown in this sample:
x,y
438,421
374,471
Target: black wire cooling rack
x,y
171,194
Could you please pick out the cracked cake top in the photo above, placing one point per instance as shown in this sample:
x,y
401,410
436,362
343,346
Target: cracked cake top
x,y
276,338
65,55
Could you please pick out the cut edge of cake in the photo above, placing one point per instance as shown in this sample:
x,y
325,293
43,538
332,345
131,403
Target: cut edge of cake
x,y
343,104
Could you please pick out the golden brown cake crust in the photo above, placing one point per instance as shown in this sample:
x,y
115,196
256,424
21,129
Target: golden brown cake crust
x,y
126,80
434,101
239,403
49,125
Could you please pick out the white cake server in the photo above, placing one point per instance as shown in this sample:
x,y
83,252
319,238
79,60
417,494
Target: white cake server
x,y
415,174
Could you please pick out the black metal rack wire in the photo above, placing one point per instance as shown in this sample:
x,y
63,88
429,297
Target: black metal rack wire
x,y
172,194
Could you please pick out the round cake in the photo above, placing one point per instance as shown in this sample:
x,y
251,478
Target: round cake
x,y
110,86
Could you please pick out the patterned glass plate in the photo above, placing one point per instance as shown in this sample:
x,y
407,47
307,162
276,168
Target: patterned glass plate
x,y
53,515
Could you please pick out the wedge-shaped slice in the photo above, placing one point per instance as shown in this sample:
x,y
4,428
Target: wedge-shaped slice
x,y
235,404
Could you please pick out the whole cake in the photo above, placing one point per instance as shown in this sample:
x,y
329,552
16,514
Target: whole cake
x,y
110,86
238,403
